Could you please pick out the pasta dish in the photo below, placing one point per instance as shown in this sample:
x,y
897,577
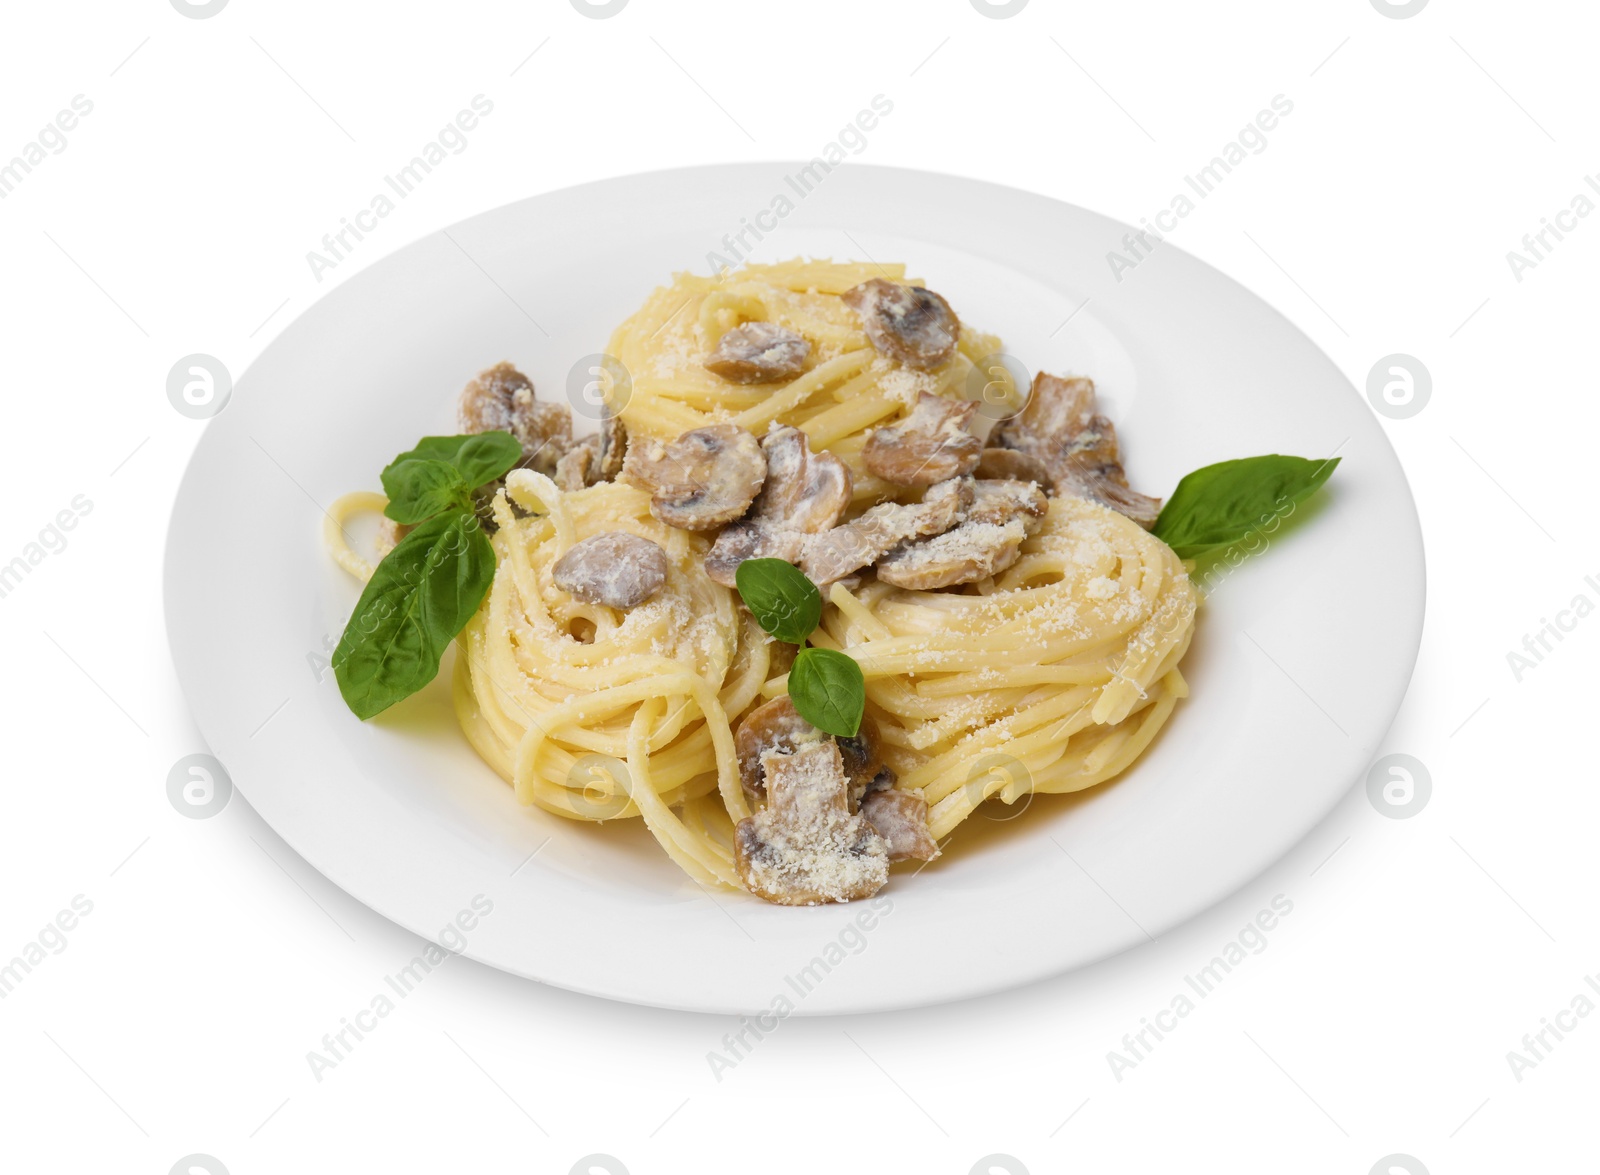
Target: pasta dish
x,y
826,579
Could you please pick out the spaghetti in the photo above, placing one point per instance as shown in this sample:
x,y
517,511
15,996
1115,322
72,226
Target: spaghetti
x,y
1050,676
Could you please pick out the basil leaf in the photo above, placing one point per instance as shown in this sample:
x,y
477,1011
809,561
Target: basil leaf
x,y
1222,503
480,457
828,691
420,487
418,599
782,599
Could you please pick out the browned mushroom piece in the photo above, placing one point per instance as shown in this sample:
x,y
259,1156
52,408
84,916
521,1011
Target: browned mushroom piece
x,y
809,491
1012,465
1078,446
882,781
964,554
999,501
909,324
777,726
805,493
502,399
594,459
805,847
750,538
612,445
929,445
831,556
704,479
576,468
759,353
616,569
901,818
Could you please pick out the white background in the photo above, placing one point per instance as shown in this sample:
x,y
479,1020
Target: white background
x,y
178,1016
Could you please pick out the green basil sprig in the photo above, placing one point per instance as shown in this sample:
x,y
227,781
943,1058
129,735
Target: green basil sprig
x,y
1220,504
424,591
420,487
828,691
783,600
418,599
441,473
826,686
480,457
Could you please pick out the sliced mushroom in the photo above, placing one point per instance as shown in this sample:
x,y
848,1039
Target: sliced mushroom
x,y
805,493
965,554
612,442
574,470
999,501
1013,465
776,726
704,479
759,353
750,538
1078,446
901,818
805,847
929,445
616,569
831,556
502,399
909,324
594,459
808,491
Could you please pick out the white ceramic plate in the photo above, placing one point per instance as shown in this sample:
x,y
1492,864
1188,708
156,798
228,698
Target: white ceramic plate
x,y
1301,658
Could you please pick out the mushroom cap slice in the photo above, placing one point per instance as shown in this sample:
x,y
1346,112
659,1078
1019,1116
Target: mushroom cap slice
x,y
501,399
612,440
964,554
805,493
929,445
750,538
999,501
913,326
831,556
805,847
704,479
758,353
901,818
616,569
594,459
1091,469
777,726
1014,465
1078,446
576,467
